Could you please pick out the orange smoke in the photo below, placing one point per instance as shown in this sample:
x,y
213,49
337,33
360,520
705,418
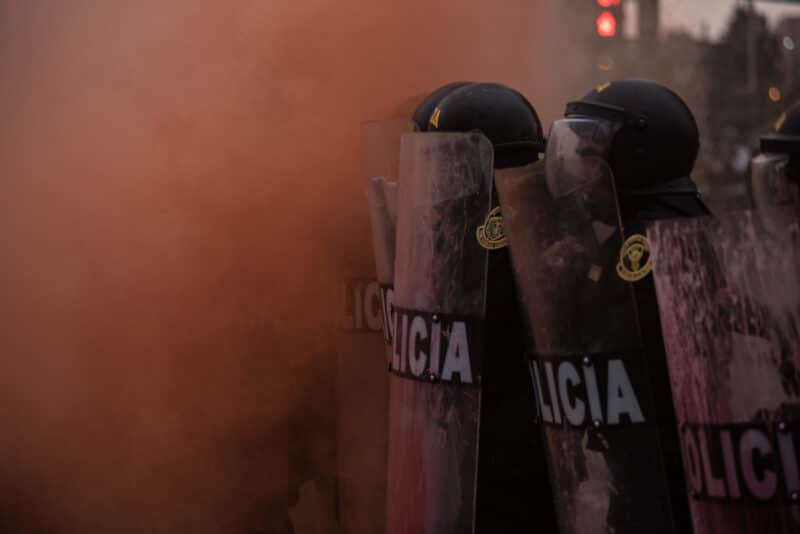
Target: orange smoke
x,y
181,200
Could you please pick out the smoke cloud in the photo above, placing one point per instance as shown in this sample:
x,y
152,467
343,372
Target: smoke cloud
x,y
180,202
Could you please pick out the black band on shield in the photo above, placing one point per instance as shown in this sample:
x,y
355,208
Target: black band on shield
x,y
435,347
743,462
590,390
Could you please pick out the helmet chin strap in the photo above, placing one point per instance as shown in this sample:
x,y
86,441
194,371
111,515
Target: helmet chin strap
x,y
677,186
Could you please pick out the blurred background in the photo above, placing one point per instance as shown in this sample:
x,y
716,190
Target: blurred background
x,y
734,62
188,339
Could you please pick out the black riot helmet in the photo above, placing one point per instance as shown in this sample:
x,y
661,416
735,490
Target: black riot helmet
x,y
424,111
500,113
786,137
643,132
775,179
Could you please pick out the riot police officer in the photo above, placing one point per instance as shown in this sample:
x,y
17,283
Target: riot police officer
x,y
619,159
729,301
363,427
476,454
511,468
776,171
775,192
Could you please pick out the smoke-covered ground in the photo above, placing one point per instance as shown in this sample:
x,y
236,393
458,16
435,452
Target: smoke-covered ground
x,y
180,202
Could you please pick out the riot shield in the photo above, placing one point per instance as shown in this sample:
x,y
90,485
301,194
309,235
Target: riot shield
x,y
729,298
362,385
444,194
381,150
383,216
596,378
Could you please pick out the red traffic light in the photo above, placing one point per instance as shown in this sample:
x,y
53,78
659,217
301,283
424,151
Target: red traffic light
x,y
606,23
608,3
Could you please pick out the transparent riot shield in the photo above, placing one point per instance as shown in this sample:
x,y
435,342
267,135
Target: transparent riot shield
x,y
595,378
381,151
729,298
362,384
383,215
445,185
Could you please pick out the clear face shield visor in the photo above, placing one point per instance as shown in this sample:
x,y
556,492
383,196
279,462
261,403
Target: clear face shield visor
x,y
576,154
773,183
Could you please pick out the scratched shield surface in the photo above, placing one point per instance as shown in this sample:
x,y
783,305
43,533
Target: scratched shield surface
x,y
591,368
729,299
440,270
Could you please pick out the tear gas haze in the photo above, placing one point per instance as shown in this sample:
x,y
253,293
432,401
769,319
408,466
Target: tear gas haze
x,y
180,204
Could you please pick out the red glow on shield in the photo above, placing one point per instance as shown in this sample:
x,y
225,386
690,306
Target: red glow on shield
x,y
608,3
606,24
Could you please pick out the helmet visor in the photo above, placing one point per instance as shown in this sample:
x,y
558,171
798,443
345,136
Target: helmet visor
x,y
576,153
773,183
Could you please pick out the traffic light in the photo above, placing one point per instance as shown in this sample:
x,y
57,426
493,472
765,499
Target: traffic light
x,y
608,22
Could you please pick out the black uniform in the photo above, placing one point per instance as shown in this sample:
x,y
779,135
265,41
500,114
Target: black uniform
x,y
619,160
